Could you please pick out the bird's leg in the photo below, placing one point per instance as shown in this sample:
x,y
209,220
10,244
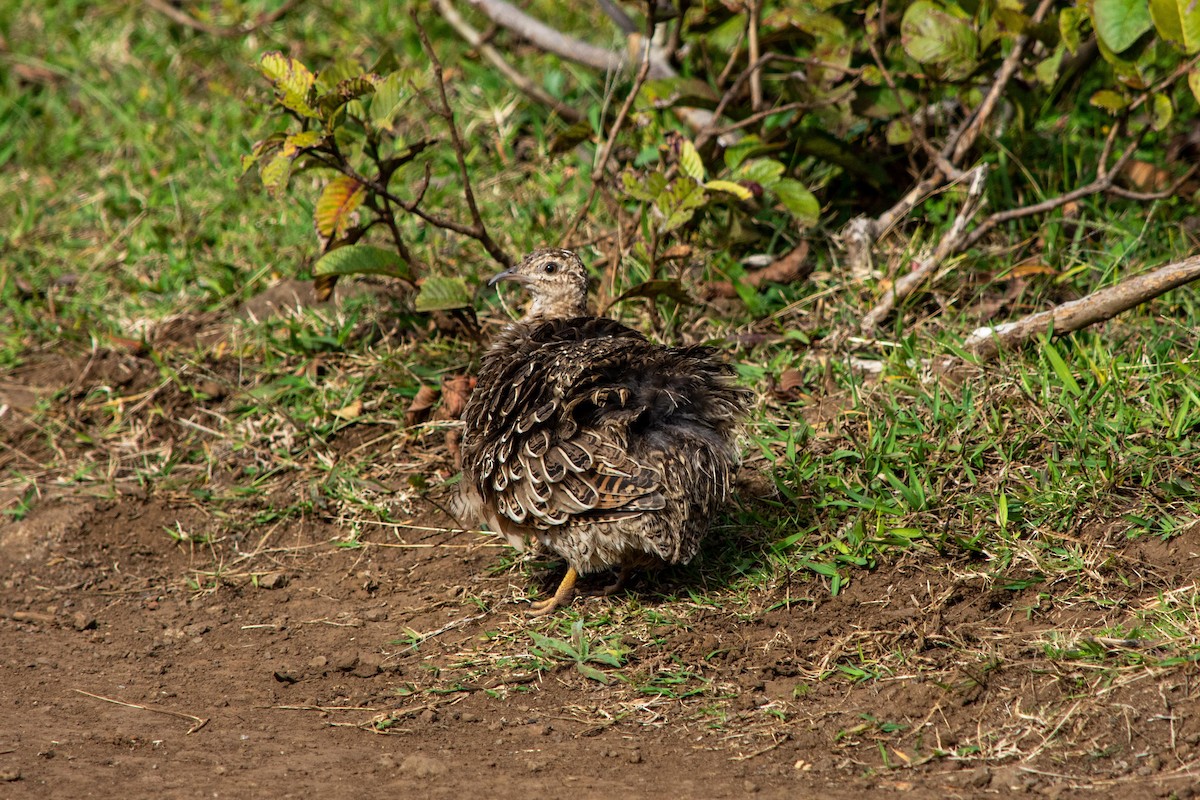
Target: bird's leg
x,y
562,597
614,587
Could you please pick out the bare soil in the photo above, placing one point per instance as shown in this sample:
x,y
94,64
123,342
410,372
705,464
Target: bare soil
x,y
155,644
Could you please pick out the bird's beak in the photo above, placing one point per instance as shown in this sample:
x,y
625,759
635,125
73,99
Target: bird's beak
x,y
508,275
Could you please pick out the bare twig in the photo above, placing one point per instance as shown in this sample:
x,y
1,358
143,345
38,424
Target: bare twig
x,y
181,17
1101,305
756,94
708,131
200,722
479,230
618,123
923,269
523,83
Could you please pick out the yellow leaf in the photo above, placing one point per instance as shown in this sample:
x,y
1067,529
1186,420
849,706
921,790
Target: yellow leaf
x,y
352,411
337,205
689,161
729,186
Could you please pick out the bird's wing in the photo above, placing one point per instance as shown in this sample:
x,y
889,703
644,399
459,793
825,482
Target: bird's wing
x,y
547,431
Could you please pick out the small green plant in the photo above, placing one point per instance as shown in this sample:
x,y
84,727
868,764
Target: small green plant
x,y
578,649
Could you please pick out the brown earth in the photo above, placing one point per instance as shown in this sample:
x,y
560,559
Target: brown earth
x,y
154,642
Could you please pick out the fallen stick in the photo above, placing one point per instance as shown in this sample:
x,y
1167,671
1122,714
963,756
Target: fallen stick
x,y
1104,304
200,722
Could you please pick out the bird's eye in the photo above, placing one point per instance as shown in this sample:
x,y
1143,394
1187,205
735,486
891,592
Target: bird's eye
x,y
551,268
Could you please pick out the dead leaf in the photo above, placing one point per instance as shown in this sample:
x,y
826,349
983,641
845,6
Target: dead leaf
x,y
1142,176
418,409
790,386
788,268
456,390
352,411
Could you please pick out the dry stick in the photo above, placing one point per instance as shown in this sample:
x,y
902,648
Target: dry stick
x,y
948,244
447,113
187,20
756,94
602,163
986,343
200,722
476,40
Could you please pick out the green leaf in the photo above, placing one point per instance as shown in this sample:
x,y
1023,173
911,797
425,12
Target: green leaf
x,y
1120,23
1162,112
291,79
276,173
689,161
663,93
932,36
298,141
588,671
1110,101
361,259
387,101
1070,23
898,132
1194,82
798,200
646,189
347,90
336,207
1165,15
679,202
1047,69
439,293
729,186
737,153
763,171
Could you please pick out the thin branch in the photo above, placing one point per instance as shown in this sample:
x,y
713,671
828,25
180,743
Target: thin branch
x,y
1101,305
709,130
618,16
200,722
181,17
925,268
479,232
967,136
1147,197
756,93
477,40
618,123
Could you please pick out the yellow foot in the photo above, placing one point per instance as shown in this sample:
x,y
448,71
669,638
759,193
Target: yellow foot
x,y
562,597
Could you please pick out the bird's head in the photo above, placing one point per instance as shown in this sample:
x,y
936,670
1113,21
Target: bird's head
x,y
556,280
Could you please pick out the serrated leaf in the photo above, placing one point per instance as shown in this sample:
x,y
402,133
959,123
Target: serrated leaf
x,y
763,171
798,200
1109,100
336,207
360,259
276,173
292,81
932,36
1120,23
440,293
1162,112
729,186
689,161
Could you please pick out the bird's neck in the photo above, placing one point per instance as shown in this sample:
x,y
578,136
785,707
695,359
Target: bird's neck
x,y
543,309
